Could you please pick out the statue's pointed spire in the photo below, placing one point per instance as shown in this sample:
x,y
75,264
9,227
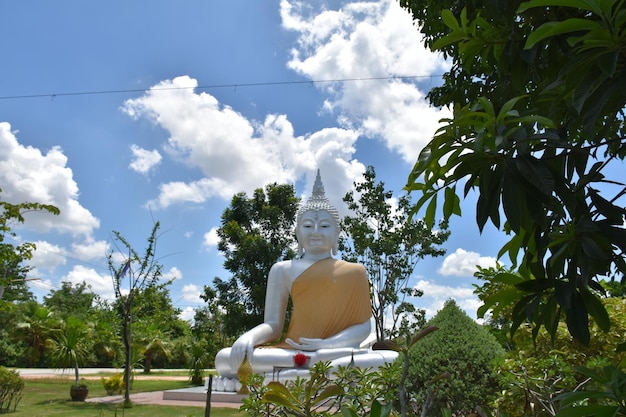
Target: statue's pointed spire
x,y
318,187
318,201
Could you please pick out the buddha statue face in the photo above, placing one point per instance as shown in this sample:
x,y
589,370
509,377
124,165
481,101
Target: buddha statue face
x,y
317,223
317,232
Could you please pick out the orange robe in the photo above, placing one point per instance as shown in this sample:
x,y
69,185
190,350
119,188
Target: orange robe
x,y
328,297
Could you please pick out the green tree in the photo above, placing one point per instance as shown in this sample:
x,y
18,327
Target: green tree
x,y
107,346
13,257
76,300
14,292
383,237
461,348
537,93
142,271
38,325
156,325
256,232
208,326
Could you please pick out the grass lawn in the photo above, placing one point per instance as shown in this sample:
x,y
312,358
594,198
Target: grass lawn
x,y
45,397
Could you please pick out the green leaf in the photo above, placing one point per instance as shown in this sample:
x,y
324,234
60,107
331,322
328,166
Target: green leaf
x,y
513,200
534,285
507,278
422,334
558,28
591,6
578,321
387,344
431,209
589,410
451,203
329,392
508,106
449,20
537,173
380,410
279,394
498,301
348,412
597,310
274,398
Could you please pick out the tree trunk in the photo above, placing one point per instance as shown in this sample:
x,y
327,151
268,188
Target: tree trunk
x,y
127,360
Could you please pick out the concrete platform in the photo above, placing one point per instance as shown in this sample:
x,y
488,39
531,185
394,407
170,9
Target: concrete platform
x,y
200,393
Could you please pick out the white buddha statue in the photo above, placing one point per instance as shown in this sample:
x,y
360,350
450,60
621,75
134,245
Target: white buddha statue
x,y
331,316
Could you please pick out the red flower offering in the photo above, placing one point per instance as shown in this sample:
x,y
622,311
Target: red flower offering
x,y
300,359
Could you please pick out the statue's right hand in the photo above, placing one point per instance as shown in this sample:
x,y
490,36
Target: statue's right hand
x,y
242,347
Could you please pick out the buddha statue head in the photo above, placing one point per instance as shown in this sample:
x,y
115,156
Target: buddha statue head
x,y
317,203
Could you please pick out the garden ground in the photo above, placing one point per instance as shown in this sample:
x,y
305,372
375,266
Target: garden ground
x,y
153,398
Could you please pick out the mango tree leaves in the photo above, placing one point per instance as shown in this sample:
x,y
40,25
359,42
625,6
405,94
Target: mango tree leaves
x,y
537,90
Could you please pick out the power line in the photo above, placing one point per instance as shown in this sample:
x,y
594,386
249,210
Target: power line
x,y
214,86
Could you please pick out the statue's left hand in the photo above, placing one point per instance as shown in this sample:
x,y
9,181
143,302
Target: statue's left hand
x,y
310,344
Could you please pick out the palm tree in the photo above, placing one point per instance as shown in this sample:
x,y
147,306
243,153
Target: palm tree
x,y
71,348
36,327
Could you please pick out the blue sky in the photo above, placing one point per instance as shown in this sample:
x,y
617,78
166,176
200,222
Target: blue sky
x,y
121,113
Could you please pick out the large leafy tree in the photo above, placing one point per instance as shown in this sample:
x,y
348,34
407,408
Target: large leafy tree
x,y
382,237
15,297
157,325
74,300
13,269
538,91
256,232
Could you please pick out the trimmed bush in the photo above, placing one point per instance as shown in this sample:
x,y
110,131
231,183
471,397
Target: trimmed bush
x,y
11,387
452,367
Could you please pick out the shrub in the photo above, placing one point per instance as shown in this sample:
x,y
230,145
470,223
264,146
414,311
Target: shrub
x,y
11,386
464,352
114,384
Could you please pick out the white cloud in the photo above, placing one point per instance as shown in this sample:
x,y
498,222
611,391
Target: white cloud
x,y
28,175
173,274
435,295
187,314
444,292
211,239
90,249
101,283
143,159
192,293
48,256
257,153
463,263
368,40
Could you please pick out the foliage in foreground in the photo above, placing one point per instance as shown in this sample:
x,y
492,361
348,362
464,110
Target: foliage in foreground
x,y
11,390
537,93
353,389
540,367
604,397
